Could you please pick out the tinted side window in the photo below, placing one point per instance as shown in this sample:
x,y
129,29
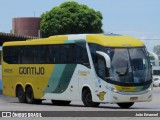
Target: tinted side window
x,y
11,54
81,56
67,54
156,72
98,61
54,56
93,49
28,55
40,54
101,67
47,54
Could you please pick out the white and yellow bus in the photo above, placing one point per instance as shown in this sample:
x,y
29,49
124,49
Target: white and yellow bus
x,y
94,68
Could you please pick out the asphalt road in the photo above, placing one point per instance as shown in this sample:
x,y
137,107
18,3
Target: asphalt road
x,y
12,104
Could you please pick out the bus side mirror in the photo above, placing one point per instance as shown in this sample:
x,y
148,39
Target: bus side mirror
x,y
106,57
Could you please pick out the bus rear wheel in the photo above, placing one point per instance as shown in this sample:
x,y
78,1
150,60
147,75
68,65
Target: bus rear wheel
x,y
60,102
87,99
125,105
21,94
30,95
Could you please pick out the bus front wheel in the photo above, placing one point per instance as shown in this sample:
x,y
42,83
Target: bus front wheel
x,y
87,99
125,105
21,94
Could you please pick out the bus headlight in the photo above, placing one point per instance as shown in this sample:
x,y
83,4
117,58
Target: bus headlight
x,y
113,89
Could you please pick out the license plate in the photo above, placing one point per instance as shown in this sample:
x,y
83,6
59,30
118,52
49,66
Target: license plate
x,y
134,98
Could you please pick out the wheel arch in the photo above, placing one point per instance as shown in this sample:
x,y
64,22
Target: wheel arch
x,y
28,85
84,88
16,88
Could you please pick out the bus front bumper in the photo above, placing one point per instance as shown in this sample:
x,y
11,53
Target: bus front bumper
x,y
121,97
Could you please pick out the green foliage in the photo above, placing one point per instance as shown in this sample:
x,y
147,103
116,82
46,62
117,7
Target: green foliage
x,y
156,49
70,18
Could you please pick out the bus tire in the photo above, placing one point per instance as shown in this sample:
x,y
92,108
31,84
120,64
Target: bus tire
x,y
87,99
125,105
60,102
30,95
21,94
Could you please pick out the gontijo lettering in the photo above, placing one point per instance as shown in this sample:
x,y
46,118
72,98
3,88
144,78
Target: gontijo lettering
x,y
32,70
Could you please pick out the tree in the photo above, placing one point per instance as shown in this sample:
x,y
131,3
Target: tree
x,y
70,18
156,49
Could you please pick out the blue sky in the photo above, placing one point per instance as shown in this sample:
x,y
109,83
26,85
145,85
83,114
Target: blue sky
x,y
138,18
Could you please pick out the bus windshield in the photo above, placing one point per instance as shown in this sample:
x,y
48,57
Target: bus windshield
x,y
129,65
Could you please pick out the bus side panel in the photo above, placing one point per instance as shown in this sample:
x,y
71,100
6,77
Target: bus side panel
x,y
32,81
59,81
7,86
26,74
80,74
15,82
42,83
38,85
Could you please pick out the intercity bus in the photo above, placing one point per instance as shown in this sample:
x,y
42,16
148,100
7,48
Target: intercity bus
x,y
94,68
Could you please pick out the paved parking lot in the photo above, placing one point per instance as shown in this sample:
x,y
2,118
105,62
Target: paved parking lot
x,y
12,104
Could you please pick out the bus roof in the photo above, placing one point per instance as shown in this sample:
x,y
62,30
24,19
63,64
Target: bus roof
x,y
101,39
